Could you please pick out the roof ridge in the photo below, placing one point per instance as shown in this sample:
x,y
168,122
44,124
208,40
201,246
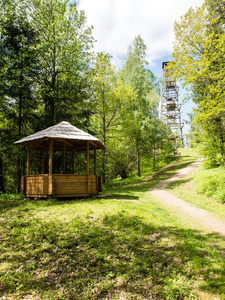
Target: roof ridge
x,y
54,127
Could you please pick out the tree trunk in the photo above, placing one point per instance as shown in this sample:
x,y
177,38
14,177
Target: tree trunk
x,y
103,157
19,163
138,159
2,187
221,142
103,167
219,125
18,175
153,154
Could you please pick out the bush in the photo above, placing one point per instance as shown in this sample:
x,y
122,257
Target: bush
x,y
211,183
7,196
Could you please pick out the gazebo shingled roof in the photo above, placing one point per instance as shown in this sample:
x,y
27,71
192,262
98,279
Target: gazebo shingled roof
x,y
63,131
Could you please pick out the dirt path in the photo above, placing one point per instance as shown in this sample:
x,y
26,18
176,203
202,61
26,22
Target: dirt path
x,y
189,211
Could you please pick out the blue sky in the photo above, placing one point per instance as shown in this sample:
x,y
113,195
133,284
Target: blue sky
x,y
117,22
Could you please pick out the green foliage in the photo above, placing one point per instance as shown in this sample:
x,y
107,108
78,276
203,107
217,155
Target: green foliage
x,y
8,197
49,74
198,54
111,98
121,159
211,182
65,56
19,69
45,74
141,120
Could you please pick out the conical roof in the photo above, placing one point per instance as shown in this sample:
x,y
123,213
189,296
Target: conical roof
x,y
62,132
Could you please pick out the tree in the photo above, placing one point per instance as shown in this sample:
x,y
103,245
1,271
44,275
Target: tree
x,y
45,70
121,155
198,53
19,67
110,97
65,57
136,75
18,70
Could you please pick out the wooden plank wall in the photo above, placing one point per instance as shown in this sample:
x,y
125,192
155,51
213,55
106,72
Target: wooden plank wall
x,y
70,185
36,185
60,185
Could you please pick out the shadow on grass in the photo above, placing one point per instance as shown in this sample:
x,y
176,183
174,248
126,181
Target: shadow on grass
x,y
171,169
177,183
148,182
107,258
124,197
119,191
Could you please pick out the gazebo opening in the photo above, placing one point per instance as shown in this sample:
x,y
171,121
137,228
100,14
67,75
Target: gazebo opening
x,y
59,173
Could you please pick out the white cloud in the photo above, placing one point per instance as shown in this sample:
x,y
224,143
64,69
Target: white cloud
x,y
117,22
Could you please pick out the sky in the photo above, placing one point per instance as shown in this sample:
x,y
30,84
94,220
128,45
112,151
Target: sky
x,y
117,22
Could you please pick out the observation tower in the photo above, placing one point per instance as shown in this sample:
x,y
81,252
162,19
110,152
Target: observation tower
x,y
171,111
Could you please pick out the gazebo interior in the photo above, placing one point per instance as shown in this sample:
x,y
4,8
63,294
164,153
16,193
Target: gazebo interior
x,y
68,140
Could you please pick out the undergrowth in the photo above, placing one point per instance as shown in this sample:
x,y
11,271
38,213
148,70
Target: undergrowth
x,y
146,170
8,196
211,182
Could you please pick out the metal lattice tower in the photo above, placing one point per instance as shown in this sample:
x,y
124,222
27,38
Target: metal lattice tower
x,y
171,111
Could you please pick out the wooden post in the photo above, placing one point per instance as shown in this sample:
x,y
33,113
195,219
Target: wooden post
x,y
23,185
64,158
95,163
50,185
43,162
28,160
88,159
95,169
73,161
50,156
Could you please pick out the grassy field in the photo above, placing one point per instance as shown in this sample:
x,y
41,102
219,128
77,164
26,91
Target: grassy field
x,y
125,246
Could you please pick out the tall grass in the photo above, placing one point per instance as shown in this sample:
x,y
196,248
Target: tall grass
x,y
211,182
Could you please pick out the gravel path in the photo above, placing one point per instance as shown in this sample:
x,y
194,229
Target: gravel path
x,y
200,216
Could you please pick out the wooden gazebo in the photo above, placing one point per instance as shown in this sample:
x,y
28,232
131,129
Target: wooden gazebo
x,y
61,137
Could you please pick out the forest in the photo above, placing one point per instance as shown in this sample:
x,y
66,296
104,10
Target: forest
x,y
50,73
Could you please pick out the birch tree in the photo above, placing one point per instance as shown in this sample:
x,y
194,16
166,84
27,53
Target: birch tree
x,y
136,75
110,98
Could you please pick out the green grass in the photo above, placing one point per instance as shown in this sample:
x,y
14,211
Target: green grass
x,y
211,183
123,247
193,152
146,170
205,189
